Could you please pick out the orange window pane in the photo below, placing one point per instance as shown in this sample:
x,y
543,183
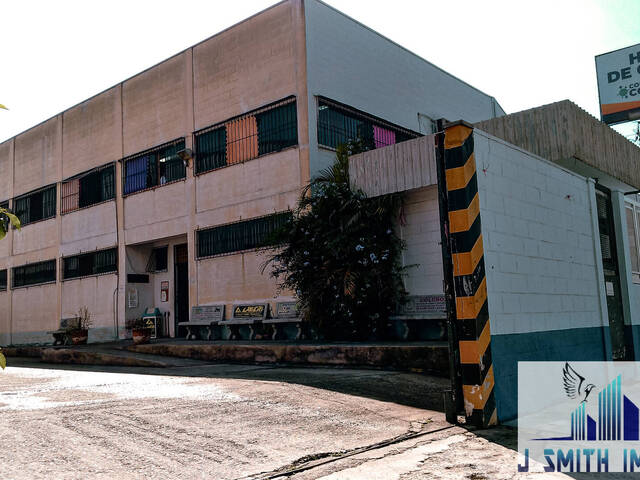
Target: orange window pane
x,y
242,140
70,195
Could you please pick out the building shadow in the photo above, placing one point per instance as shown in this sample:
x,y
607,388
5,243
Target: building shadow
x,y
403,388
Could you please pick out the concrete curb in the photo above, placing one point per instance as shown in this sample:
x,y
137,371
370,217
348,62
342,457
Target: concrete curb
x,y
79,357
423,358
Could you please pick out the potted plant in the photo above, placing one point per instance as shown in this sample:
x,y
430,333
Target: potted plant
x,y
78,331
140,333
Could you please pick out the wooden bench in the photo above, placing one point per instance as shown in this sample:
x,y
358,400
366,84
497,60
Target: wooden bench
x,y
62,336
207,316
286,313
249,315
423,317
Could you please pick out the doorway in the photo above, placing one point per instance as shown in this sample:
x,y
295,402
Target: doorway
x,y
619,348
181,282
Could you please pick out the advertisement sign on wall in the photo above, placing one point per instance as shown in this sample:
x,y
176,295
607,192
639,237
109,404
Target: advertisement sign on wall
x,y
618,75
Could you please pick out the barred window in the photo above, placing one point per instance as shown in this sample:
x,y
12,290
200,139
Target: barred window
x,y
92,263
154,167
158,260
269,129
3,280
244,235
88,189
38,205
33,274
338,124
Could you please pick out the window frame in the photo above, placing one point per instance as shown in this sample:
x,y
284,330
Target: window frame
x,y
200,231
63,260
4,287
362,116
47,282
635,208
155,151
15,200
81,176
222,126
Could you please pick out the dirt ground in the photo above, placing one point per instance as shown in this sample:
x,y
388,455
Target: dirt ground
x,y
236,422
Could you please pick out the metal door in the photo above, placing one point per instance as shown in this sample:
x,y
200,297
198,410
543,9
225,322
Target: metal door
x,y
611,274
181,269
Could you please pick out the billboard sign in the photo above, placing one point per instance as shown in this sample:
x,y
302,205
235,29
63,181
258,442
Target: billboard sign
x,y
618,75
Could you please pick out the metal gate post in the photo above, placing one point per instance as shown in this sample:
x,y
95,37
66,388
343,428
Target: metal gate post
x,y
452,398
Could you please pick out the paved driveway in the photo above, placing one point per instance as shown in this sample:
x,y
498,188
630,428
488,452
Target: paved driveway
x,y
198,421
236,422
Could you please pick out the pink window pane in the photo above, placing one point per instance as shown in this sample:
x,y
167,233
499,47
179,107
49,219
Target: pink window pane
x,y
383,137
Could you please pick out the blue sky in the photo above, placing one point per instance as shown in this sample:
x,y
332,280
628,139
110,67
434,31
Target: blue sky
x,y
56,54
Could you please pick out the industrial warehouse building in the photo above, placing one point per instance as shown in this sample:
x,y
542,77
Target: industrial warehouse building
x,y
115,220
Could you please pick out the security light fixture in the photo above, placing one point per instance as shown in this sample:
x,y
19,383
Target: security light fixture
x,y
185,155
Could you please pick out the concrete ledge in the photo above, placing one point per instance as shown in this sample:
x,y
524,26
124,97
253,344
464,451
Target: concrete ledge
x,y
431,358
79,357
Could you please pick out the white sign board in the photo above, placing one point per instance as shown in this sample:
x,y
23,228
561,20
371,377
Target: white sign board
x,y
618,75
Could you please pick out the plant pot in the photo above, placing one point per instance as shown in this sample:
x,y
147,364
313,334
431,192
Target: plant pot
x,y
79,337
140,335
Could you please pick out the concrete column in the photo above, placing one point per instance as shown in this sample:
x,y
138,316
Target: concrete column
x,y
9,238
300,45
122,251
60,154
191,185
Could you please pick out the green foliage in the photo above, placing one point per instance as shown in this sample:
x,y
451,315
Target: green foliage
x,y
4,216
341,256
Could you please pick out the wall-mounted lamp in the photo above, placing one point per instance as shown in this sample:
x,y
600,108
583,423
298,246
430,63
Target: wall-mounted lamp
x,y
185,155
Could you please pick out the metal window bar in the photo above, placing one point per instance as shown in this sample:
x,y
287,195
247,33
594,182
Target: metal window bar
x,y
34,273
35,206
338,124
632,235
245,137
3,280
92,263
155,167
240,236
211,148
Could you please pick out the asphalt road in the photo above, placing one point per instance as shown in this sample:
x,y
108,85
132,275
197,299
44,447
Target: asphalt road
x,y
236,422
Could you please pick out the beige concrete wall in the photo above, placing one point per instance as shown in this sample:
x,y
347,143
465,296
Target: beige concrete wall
x,y
245,67
157,213
89,229
35,237
6,170
92,133
257,62
30,324
264,185
236,278
37,152
154,107
5,317
97,294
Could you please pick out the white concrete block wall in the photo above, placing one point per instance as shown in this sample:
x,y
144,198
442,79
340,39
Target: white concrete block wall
x,y
420,229
538,235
